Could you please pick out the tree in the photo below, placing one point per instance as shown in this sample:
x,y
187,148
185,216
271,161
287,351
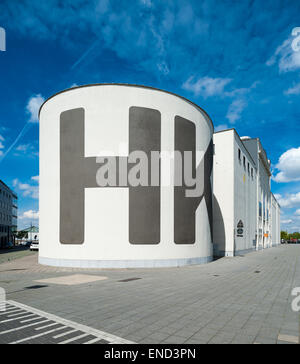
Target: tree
x,y
295,235
21,234
285,235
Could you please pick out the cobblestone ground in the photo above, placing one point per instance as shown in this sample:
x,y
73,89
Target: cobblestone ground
x,y
244,299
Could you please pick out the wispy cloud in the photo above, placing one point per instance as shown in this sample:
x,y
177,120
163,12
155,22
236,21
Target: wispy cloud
x,y
285,57
221,127
33,106
295,90
32,109
28,150
235,110
206,86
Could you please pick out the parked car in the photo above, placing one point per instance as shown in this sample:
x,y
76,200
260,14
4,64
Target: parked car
x,y
34,246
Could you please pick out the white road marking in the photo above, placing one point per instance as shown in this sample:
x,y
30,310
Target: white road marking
x,y
36,336
22,327
64,334
89,330
17,314
31,319
288,338
6,312
17,318
92,341
73,339
45,327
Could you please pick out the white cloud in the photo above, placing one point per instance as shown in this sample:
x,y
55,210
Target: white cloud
x,y
297,212
22,147
1,144
206,86
288,166
235,110
288,60
286,222
35,178
27,149
221,127
295,90
30,214
33,106
27,189
289,200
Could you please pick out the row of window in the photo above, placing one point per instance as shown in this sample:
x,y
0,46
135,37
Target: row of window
x,y
4,229
5,194
5,217
250,170
265,212
4,205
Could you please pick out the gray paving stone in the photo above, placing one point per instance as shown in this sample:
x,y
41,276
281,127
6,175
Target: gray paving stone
x,y
189,304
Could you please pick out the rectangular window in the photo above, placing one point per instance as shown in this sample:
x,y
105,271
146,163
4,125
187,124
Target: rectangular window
x,y
244,162
260,209
239,154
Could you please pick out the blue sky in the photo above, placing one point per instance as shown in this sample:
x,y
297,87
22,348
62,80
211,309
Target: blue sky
x,y
233,58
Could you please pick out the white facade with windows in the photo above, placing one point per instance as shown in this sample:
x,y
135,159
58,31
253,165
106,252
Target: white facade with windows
x,y
246,216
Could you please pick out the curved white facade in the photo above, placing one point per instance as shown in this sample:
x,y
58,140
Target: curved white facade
x,y
84,225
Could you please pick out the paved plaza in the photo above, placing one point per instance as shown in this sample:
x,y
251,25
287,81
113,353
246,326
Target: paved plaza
x,y
246,299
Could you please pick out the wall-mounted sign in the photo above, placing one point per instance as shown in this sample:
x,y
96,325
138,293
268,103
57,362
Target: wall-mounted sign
x,y
240,232
240,229
240,224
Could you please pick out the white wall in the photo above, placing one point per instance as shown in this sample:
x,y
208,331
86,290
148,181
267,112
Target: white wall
x,y
106,243
276,239
264,196
234,196
223,206
244,198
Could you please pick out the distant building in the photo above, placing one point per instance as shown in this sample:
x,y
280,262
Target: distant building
x,y
8,214
246,213
31,233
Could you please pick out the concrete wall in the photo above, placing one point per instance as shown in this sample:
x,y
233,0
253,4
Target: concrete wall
x,y
116,227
